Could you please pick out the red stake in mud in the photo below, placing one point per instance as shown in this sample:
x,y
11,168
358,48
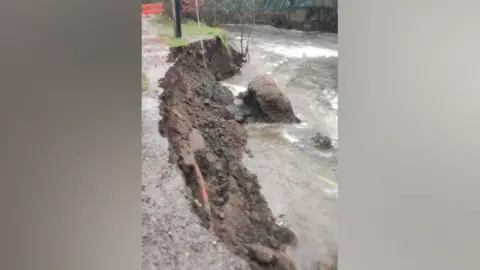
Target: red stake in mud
x,y
204,194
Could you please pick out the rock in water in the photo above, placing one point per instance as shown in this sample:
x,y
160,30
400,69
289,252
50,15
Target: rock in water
x,y
267,103
322,142
285,235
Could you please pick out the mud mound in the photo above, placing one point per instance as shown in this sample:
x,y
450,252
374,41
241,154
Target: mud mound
x,y
202,131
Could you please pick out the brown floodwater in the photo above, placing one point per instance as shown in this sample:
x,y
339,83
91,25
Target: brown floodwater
x,y
299,182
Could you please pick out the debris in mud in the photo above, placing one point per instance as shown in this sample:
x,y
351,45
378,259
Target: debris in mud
x,y
202,131
264,102
322,142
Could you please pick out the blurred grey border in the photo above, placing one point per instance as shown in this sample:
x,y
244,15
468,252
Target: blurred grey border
x,y
70,125
70,135
409,135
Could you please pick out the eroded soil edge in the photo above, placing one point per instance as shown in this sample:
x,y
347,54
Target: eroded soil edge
x,y
201,130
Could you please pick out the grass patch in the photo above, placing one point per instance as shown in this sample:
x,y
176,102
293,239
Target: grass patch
x,y
177,42
190,31
144,82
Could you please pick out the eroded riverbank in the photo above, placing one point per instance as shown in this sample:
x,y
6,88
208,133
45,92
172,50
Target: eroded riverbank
x,y
172,236
291,175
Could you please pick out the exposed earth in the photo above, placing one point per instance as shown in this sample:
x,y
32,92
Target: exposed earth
x,y
173,237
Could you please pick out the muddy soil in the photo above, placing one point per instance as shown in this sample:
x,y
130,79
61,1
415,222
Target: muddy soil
x,y
202,131
172,237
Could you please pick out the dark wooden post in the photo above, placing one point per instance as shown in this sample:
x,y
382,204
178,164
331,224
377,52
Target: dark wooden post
x,y
177,11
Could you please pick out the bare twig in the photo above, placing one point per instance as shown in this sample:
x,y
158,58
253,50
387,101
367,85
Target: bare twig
x,y
249,37
241,34
199,26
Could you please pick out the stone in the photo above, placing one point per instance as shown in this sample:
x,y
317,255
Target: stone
x,y
273,242
285,235
220,201
322,142
196,140
283,262
262,254
256,217
266,102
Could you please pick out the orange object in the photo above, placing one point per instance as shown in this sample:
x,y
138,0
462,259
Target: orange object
x,y
204,194
155,8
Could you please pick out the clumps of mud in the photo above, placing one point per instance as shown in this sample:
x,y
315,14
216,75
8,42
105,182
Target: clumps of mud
x,y
202,131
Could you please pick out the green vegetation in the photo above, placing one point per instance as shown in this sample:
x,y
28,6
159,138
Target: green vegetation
x,y
190,31
144,82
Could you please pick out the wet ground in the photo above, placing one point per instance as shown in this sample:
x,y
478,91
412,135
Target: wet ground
x,y
299,182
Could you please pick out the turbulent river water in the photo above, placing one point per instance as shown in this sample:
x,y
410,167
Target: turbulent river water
x,y
299,182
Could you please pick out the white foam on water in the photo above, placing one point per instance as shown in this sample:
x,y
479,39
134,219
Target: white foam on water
x,y
300,51
279,63
302,125
334,103
331,193
236,89
290,138
323,154
266,125
240,38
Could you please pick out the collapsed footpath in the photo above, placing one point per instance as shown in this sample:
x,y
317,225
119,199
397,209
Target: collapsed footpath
x,y
202,131
172,236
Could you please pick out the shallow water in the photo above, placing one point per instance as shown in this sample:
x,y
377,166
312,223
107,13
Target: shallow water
x,y
299,182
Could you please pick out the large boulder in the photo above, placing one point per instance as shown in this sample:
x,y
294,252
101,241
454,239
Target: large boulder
x,y
265,102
